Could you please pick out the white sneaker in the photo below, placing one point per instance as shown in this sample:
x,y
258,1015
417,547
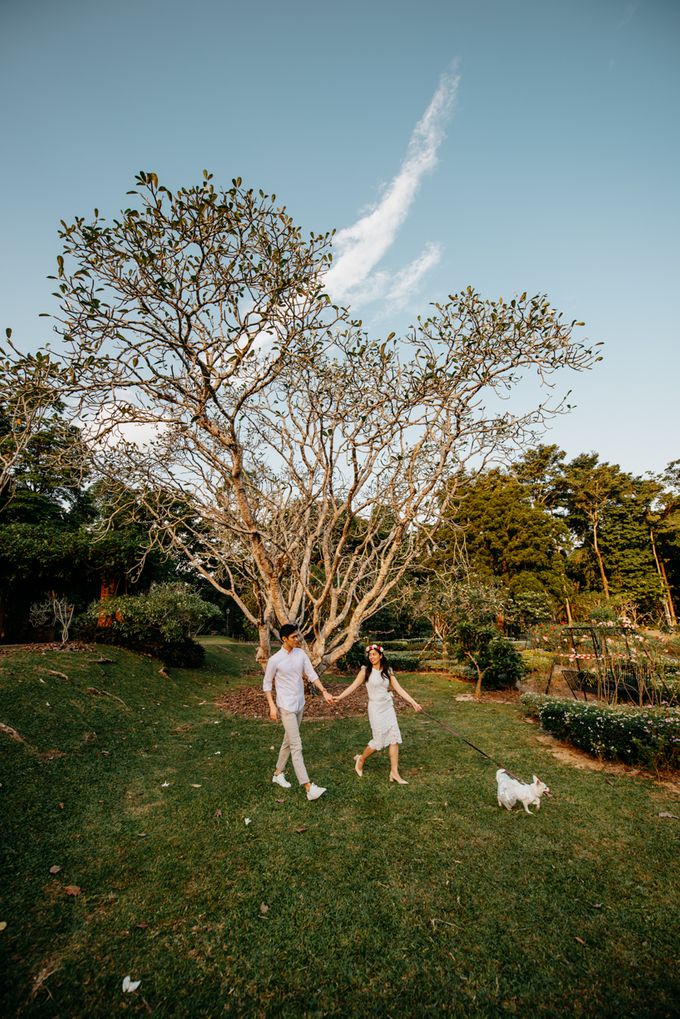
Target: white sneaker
x,y
315,791
281,780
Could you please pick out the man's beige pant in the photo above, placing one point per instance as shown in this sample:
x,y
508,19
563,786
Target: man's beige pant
x,y
292,744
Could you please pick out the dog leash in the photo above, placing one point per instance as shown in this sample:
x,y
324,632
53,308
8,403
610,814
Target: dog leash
x,y
459,735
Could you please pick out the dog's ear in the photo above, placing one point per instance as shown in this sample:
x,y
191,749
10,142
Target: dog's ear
x,y
536,778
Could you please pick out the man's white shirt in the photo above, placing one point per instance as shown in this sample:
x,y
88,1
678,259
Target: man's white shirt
x,y
287,669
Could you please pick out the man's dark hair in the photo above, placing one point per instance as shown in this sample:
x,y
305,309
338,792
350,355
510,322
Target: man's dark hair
x,y
287,629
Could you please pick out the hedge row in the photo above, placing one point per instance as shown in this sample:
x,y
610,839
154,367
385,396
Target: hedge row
x,y
646,736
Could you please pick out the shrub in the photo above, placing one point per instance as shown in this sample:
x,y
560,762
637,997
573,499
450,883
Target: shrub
x,y
161,623
538,660
646,736
501,664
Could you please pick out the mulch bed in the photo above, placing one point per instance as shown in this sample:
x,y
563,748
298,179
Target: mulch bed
x,y
250,702
71,645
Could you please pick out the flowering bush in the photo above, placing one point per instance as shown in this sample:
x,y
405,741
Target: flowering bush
x,y
646,736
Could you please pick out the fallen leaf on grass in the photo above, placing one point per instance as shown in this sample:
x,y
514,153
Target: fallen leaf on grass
x,y
164,785
218,813
248,820
3,925
142,835
580,941
300,830
130,985
597,905
264,908
55,869
61,806
279,801
142,925
72,890
665,813
195,786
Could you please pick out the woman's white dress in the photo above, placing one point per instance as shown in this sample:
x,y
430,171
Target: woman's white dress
x,y
381,713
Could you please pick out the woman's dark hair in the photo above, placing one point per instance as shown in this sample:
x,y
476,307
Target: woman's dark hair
x,y
385,667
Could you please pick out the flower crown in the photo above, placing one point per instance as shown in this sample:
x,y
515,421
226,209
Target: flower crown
x,y
375,647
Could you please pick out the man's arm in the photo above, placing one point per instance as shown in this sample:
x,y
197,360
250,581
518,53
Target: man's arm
x,y
267,683
311,675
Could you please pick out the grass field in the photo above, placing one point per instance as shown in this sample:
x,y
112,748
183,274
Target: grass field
x,y
377,900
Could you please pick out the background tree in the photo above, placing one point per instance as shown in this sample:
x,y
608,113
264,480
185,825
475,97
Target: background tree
x,y
509,536
295,462
32,387
585,490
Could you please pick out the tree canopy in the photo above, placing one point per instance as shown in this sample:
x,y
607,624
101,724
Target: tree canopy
x,y
298,463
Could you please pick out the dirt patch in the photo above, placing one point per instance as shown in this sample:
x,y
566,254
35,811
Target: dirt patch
x,y
250,702
580,759
73,645
509,696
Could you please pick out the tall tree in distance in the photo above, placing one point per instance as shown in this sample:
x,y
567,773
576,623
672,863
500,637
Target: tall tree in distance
x,y
585,490
297,463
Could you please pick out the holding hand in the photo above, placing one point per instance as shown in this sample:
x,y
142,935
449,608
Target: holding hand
x,y
416,706
273,714
329,698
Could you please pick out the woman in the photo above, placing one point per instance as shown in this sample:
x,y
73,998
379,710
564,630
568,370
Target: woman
x,y
380,681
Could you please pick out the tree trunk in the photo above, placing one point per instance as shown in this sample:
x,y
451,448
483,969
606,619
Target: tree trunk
x,y
107,590
478,686
600,563
567,606
264,644
667,599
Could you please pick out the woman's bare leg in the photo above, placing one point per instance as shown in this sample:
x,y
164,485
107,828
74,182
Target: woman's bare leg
x,y
394,765
360,760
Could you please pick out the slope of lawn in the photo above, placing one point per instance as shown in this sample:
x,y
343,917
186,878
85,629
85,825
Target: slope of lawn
x,y
375,900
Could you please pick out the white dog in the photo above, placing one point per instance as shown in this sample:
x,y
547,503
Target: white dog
x,y
510,791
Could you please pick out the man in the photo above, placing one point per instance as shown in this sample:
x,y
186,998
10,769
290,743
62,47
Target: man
x,y
287,668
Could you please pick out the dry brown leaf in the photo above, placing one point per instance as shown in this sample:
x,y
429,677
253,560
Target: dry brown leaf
x,y
72,890
3,925
264,908
665,813
580,941
55,869
142,925
218,813
300,830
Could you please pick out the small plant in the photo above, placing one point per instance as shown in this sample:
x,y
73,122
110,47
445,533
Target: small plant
x,y
54,610
496,661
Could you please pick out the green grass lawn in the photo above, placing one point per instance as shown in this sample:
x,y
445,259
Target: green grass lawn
x,y
375,900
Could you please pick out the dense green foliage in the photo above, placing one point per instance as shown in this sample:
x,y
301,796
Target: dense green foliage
x,y
161,622
650,736
575,539
495,659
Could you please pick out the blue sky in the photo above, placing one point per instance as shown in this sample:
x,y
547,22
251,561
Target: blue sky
x,y
508,144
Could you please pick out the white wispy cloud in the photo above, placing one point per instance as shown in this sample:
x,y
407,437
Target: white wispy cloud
x,y
360,247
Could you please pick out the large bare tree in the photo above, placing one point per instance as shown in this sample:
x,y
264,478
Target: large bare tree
x,y
298,464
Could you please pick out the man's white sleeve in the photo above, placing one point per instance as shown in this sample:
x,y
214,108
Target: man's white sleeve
x,y
309,668
269,674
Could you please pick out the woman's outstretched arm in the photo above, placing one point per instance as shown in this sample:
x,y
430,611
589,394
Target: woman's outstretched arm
x,y
398,688
352,687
